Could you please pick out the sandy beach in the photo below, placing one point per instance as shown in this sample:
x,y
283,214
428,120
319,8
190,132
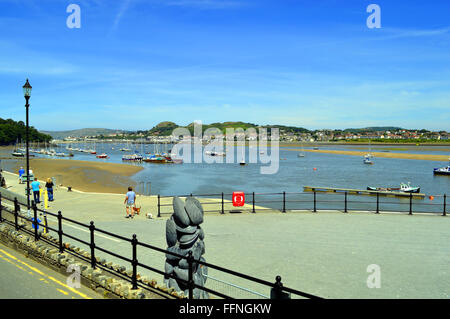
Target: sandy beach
x,y
426,157
85,176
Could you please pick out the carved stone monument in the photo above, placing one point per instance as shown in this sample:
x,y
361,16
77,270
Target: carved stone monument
x,y
184,235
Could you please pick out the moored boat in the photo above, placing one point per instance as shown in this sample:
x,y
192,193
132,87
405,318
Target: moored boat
x,y
17,154
442,170
367,160
405,188
133,157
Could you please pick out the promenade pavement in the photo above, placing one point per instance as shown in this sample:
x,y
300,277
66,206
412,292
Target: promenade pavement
x,y
327,254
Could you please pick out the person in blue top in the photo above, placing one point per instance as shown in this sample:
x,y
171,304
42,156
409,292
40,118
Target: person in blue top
x,y
36,186
21,172
130,200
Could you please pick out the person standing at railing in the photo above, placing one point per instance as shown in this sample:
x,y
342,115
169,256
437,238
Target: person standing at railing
x,y
36,186
130,201
49,185
21,172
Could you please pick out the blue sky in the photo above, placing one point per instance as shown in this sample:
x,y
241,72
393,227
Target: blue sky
x,y
310,63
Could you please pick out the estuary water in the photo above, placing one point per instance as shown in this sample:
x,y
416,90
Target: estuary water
x,y
315,169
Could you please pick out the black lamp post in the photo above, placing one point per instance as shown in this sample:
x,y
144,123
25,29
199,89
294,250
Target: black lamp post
x,y
27,94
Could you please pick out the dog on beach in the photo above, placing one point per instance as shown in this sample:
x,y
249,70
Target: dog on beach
x,y
137,210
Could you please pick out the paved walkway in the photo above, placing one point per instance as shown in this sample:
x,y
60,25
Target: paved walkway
x,y
23,278
326,254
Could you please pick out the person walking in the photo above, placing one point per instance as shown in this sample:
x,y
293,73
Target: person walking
x,y
49,185
130,201
36,186
21,172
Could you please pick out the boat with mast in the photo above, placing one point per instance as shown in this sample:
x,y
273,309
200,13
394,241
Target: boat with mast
x,y
126,149
302,153
368,156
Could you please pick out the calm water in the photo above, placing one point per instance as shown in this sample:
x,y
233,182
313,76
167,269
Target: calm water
x,y
294,173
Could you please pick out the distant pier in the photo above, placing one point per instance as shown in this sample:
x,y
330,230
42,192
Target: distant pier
x,y
351,191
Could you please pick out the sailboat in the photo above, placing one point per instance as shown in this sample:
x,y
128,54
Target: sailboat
x,y
126,149
302,153
367,157
93,151
16,151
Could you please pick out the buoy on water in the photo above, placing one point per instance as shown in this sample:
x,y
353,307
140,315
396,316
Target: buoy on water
x,y
315,169
431,197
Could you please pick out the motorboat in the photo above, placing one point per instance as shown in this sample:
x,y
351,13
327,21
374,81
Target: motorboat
x,y
442,170
102,155
17,154
155,159
405,188
367,160
133,157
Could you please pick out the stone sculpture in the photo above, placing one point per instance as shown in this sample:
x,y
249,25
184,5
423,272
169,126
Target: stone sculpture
x,y
184,235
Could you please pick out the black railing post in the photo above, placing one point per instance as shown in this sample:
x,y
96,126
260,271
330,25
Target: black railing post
x,y
134,262
35,221
276,292
159,206
284,202
16,213
253,204
378,203
345,200
410,203
222,204
190,278
60,232
315,209
92,229
1,208
445,204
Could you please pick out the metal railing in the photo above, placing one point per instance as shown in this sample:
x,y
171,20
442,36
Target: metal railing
x,y
277,288
314,201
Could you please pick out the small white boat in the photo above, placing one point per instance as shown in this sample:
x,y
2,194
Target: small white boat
x,y
442,170
367,160
17,154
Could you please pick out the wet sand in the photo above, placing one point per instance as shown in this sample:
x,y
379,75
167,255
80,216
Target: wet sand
x,y
81,175
426,157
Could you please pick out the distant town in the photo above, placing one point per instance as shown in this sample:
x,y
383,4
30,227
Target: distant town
x,y
161,133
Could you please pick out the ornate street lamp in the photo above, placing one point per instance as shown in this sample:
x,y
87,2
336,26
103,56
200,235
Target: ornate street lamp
x,y
27,94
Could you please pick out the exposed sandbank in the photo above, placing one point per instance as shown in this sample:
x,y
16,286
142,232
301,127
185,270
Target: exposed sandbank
x,y
83,175
427,157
